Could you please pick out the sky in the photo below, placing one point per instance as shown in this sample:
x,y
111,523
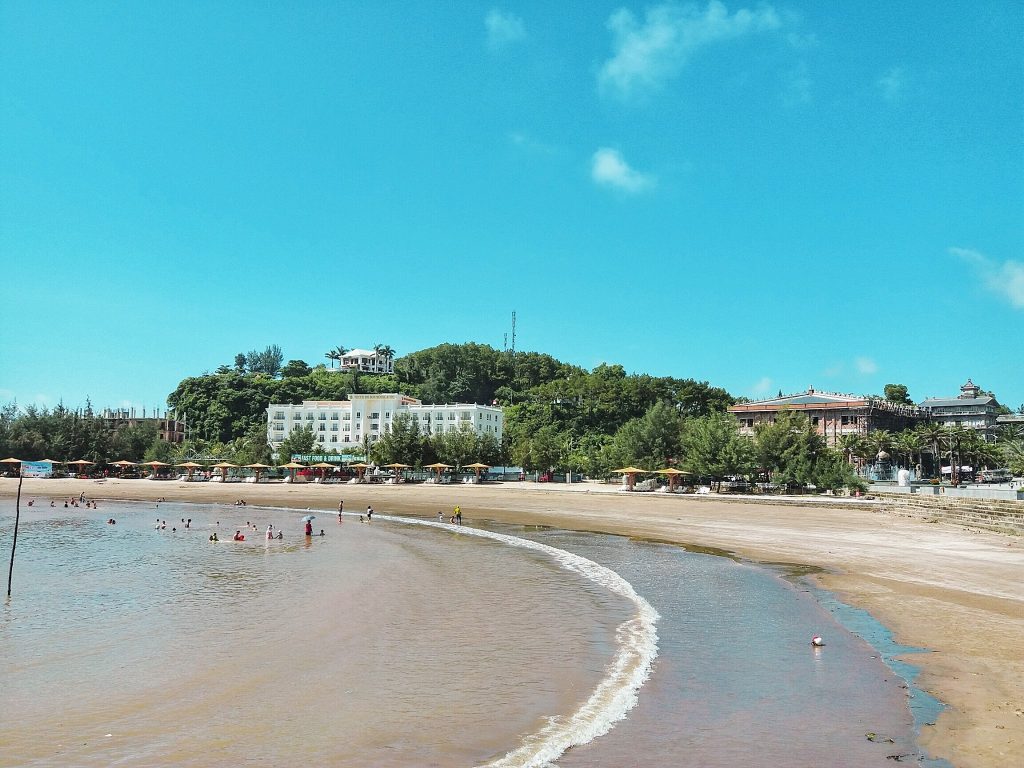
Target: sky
x,y
766,196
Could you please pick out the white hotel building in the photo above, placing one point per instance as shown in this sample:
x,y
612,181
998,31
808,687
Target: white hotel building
x,y
341,424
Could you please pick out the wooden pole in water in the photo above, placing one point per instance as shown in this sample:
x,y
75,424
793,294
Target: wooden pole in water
x,y
14,544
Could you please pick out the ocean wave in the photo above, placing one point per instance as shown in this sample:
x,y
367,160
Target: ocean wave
x,y
616,694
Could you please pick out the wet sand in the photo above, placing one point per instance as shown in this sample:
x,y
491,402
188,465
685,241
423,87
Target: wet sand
x,y
957,592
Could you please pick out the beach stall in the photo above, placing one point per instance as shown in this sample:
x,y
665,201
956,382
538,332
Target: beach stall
x,y
10,462
629,476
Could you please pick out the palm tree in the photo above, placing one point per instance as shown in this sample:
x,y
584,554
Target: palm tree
x,y
336,354
932,433
909,444
850,445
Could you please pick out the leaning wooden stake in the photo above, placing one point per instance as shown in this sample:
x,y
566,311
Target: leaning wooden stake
x,y
14,544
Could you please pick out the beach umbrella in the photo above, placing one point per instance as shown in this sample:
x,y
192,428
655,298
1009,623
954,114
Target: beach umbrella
x,y
308,518
80,464
50,461
10,461
291,466
258,468
478,468
224,466
630,473
121,464
360,467
438,467
191,466
323,466
672,474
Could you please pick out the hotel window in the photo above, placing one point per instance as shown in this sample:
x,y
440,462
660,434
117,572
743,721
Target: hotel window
x,y
323,428
334,438
279,415
347,439
309,417
297,416
451,417
334,427
334,417
348,427
323,417
387,414
375,427
347,417
374,415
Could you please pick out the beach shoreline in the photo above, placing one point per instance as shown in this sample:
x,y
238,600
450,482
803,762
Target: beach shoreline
x,y
950,590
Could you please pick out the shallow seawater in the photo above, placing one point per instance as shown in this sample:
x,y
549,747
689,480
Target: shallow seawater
x,y
393,644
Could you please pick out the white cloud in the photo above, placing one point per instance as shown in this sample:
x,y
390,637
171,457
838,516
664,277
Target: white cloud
x,y
762,385
1005,279
892,84
648,53
609,169
866,365
503,29
798,89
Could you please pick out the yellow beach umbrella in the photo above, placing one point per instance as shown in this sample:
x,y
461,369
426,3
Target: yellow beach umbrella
x,y
10,461
478,468
224,466
258,468
438,467
291,466
191,466
630,473
673,474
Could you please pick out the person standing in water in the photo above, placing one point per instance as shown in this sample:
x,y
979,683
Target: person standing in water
x,y
458,515
309,527
341,508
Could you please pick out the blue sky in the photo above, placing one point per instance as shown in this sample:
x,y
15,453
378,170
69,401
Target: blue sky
x,y
766,196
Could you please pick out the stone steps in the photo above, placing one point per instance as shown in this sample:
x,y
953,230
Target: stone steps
x,y
998,516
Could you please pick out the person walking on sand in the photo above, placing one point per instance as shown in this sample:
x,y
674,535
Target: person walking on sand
x,y
458,515
369,513
341,508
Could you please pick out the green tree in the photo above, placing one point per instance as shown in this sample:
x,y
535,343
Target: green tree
x,y
295,369
713,447
300,440
789,448
897,393
402,443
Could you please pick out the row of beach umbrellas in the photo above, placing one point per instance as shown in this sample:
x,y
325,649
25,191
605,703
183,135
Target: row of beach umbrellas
x,y
191,466
631,472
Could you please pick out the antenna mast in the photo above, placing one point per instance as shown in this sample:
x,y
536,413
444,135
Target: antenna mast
x,y
513,332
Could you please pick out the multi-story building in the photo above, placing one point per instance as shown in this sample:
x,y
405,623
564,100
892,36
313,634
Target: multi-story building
x,y
832,414
169,429
970,410
341,424
367,361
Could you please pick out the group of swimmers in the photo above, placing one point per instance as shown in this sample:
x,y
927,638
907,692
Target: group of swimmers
x,y
71,502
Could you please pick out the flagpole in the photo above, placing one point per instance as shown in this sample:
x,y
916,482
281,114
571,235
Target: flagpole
x,y
17,517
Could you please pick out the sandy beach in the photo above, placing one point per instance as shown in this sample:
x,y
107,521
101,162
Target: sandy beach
x,y
957,592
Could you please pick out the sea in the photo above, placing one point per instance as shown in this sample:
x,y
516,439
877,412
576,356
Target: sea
x,y
413,642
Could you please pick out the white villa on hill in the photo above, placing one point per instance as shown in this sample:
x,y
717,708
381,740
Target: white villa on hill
x,y
342,423
367,361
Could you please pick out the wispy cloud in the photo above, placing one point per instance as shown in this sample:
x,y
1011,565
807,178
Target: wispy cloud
x,y
865,366
893,84
529,144
648,53
798,87
609,169
503,29
1005,279
762,385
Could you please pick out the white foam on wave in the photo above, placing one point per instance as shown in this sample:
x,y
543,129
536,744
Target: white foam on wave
x,y
616,694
